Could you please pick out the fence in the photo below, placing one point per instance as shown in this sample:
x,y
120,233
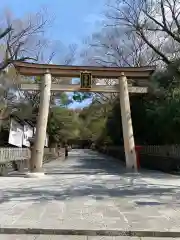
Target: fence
x,y
165,158
163,151
18,158
14,154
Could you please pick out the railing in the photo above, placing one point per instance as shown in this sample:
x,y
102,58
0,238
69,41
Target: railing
x,y
158,157
14,154
18,158
164,151
165,158
158,150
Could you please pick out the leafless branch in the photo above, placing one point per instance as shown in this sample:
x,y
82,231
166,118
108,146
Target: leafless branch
x,y
22,38
157,23
5,32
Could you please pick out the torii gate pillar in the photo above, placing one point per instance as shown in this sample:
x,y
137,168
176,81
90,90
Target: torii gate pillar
x,y
37,154
129,146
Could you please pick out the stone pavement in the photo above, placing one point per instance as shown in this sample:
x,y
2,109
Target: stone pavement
x,y
23,237
90,191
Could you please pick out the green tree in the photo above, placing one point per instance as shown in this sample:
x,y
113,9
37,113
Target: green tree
x,y
62,125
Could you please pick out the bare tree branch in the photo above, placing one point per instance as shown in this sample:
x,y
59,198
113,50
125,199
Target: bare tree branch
x,y
156,23
22,38
5,32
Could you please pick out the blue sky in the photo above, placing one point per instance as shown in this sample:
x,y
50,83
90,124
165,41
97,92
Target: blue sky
x,y
73,19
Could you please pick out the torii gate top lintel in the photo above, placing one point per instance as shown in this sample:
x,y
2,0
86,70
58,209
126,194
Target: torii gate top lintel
x,y
34,69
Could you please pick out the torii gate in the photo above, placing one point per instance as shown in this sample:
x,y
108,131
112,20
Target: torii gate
x,y
49,70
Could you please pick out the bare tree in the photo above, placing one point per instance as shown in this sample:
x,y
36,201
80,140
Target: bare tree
x,y
114,46
22,39
8,97
70,55
155,22
117,47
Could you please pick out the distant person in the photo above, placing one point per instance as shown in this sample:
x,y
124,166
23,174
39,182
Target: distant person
x,y
66,150
59,150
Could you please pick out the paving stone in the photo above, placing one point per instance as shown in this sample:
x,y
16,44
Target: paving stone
x,y
17,237
62,238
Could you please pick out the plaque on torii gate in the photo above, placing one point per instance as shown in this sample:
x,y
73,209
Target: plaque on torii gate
x,y
86,80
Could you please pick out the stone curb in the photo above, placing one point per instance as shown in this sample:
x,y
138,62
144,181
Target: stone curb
x,y
74,232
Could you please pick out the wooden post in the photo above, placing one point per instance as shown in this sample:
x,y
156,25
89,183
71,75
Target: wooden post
x,y
36,160
128,136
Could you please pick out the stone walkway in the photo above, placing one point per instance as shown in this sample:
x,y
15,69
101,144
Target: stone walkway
x,y
88,191
50,237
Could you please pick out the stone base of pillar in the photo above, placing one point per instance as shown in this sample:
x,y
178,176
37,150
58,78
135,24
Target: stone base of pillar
x,y
36,175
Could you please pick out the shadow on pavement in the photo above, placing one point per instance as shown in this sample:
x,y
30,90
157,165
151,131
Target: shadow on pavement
x,y
116,183
95,191
98,164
